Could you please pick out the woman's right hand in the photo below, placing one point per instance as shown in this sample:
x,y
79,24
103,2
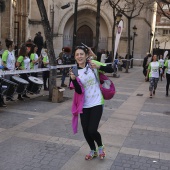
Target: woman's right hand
x,y
72,76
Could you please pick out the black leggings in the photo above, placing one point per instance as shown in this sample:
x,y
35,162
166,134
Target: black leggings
x,y
168,82
90,119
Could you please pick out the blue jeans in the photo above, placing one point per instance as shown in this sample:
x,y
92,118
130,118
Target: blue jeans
x,y
64,74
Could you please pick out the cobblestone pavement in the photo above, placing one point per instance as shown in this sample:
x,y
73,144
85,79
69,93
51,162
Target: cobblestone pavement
x,y
36,134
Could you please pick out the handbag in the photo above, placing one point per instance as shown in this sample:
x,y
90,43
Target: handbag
x,y
107,87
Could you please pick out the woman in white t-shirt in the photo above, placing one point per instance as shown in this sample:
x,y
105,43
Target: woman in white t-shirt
x,y
23,63
153,73
34,59
8,61
92,102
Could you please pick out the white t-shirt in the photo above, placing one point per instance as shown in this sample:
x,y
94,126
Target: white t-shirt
x,y
103,58
36,64
10,61
93,96
27,63
162,62
154,67
167,64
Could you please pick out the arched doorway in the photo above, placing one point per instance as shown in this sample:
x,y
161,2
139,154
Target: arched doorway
x,y
85,35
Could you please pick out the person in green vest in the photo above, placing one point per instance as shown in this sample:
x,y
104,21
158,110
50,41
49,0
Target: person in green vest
x,y
46,74
167,67
153,73
8,61
34,59
23,63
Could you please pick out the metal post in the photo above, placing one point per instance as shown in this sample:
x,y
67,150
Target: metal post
x,y
134,34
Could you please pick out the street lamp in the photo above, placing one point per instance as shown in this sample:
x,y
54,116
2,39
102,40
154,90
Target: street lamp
x,y
118,17
151,35
157,46
134,35
156,43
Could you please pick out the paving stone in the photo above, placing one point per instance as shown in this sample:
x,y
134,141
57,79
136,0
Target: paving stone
x,y
156,109
58,127
113,104
41,104
11,119
148,140
153,121
20,149
139,163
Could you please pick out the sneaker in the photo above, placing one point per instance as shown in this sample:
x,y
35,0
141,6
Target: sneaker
x,y
166,94
63,85
91,155
101,151
150,94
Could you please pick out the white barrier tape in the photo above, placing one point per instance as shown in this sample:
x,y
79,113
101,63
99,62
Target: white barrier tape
x,y
53,67
12,72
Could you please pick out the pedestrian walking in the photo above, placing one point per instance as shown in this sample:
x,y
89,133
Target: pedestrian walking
x,y
66,58
146,62
167,67
88,99
161,60
153,74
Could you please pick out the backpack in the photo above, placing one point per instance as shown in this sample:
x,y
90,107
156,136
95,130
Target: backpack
x,y
107,87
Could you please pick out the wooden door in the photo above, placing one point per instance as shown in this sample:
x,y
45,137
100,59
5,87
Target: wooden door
x,y
84,35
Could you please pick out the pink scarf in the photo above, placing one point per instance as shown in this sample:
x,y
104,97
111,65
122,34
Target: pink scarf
x,y
77,105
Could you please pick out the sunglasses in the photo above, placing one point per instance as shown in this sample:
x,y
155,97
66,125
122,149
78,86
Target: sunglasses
x,y
80,47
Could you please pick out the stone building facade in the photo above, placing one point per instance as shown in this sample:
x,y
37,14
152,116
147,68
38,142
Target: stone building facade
x,y
25,17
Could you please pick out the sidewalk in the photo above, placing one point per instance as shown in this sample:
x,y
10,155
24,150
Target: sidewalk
x,y
37,135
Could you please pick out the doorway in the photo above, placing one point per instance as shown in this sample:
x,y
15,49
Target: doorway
x,y
84,35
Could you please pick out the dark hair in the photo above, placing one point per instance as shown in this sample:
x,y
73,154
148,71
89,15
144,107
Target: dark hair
x,y
153,56
67,49
8,43
23,51
32,49
86,50
149,55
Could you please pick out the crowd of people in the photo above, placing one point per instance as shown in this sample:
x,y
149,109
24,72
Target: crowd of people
x,y
31,55
154,68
